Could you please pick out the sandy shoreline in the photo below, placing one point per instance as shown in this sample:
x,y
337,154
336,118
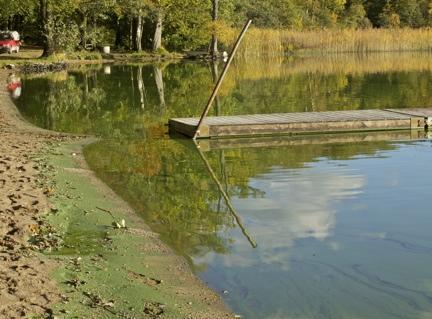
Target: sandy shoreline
x,y
27,286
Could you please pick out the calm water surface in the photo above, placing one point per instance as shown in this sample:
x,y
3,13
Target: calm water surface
x,y
323,229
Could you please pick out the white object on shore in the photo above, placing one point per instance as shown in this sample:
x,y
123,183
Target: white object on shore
x,y
225,56
107,49
15,35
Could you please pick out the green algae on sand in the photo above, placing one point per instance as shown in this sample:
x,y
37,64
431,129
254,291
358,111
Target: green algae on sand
x,y
108,270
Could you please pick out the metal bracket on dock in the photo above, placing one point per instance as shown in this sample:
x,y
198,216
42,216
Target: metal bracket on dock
x,y
427,122
421,123
418,123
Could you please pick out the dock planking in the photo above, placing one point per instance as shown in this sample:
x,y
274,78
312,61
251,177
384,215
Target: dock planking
x,y
303,122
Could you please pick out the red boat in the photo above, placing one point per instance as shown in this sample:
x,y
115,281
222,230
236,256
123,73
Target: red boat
x,y
9,42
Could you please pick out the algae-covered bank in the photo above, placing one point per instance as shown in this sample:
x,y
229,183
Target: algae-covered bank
x,y
70,248
110,261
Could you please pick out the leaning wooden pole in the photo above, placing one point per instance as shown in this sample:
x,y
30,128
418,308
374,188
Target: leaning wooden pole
x,y
221,78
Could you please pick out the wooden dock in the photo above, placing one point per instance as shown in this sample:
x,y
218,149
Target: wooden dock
x,y
305,122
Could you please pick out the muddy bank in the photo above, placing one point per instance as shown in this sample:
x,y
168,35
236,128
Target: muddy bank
x,y
99,259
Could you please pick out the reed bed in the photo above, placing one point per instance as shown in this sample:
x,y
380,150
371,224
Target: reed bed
x,y
258,68
265,42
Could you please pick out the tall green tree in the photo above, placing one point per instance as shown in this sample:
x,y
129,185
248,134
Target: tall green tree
x,y
11,10
355,15
410,12
58,27
389,18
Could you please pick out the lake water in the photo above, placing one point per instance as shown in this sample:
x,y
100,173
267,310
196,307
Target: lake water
x,y
316,227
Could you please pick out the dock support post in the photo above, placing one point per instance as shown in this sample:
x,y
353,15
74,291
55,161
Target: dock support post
x,y
221,78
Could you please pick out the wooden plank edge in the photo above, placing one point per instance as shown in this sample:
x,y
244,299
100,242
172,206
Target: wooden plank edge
x,y
211,144
187,129
301,128
182,128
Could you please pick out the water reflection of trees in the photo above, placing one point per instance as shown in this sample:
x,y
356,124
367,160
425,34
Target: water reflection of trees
x,y
145,95
164,183
167,183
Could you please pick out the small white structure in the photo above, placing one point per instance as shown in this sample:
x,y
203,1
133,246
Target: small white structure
x,y
225,56
15,35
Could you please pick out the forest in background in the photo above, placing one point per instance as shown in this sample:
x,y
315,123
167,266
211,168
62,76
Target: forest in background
x,y
187,25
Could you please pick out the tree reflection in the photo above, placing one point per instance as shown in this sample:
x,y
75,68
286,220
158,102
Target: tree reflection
x,y
148,95
167,183
160,88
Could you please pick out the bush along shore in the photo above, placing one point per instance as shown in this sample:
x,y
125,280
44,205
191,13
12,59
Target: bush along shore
x,y
70,248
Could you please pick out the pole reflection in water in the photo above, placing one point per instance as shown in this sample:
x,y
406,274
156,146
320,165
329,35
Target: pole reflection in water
x,y
227,199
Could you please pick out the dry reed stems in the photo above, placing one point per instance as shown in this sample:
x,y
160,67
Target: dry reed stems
x,y
265,42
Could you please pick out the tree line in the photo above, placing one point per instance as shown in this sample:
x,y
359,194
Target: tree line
x,y
136,25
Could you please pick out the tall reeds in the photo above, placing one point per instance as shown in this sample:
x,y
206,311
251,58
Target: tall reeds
x,y
268,42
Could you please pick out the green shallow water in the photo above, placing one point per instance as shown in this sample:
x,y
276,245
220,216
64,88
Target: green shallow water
x,y
342,229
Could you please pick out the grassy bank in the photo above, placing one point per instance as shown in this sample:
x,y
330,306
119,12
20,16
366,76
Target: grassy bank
x,y
33,55
111,264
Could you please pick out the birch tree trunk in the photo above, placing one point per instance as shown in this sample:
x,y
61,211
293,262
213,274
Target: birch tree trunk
x,y
139,31
215,15
157,40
